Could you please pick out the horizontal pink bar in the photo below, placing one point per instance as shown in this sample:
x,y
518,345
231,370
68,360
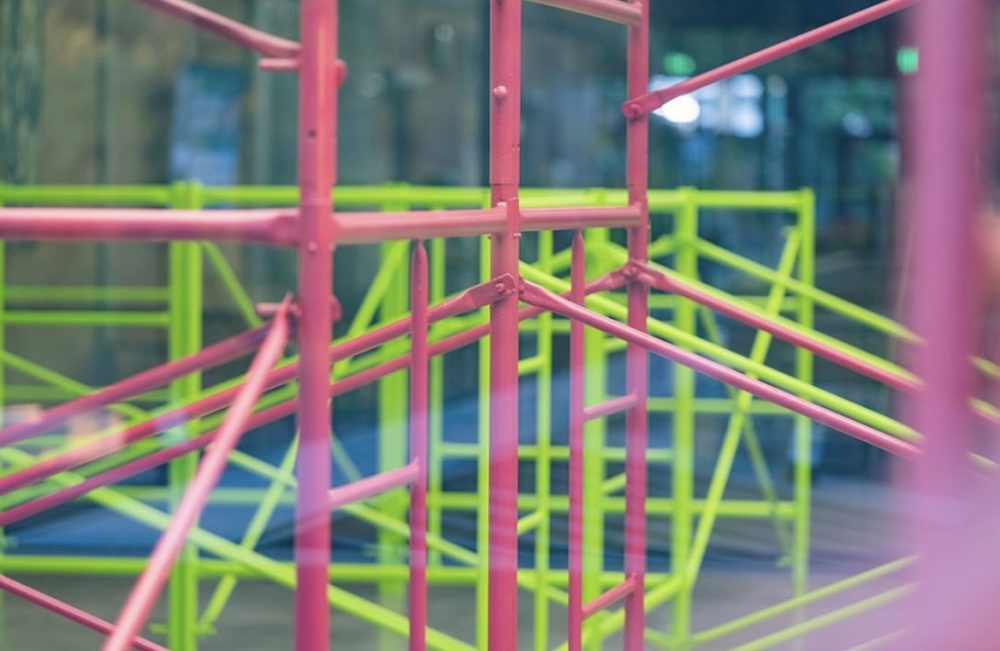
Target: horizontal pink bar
x,y
143,596
554,219
608,598
69,612
374,485
651,101
535,295
617,11
609,407
366,227
277,227
134,385
677,286
233,30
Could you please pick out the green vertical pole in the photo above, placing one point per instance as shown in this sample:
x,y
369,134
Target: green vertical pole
x,y
803,426
393,407
685,319
435,397
594,436
483,471
185,338
543,462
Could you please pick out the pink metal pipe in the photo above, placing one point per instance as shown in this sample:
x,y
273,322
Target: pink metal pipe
x,y
134,385
610,407
626,13
577,407
679,287
270,226
69,612
610,597
371,486
419,424
947,145
505,175
637,360
317,132
647,102
146,590
538,296
233,30
554,219
365,227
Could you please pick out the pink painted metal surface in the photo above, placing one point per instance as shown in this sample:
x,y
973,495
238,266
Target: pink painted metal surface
x,y
505,178
419,424
361,227
371,486
143,596
948,150
577,408
230,29
263,226
627,13
317,131
609,597
69,612
650,101
637,360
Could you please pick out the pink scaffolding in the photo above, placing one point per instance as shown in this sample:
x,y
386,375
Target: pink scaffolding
x,y
947,190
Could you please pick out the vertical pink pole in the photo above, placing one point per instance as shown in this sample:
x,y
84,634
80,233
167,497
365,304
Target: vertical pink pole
x,y
418,448
637,174
576,446
946,141
505,136
317,166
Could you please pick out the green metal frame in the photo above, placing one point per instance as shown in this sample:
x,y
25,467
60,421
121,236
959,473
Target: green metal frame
x,y
787,293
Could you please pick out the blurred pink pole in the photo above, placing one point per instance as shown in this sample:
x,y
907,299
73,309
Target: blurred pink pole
x,y
946,146
71,613
143,596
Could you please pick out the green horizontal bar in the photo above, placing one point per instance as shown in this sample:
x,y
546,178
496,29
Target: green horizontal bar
x,y
556,452
828,301
86,318
45,293
722,406
531,365
45,394
86,195
750,509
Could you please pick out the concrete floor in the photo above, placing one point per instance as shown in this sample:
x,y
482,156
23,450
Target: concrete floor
x,y
853,529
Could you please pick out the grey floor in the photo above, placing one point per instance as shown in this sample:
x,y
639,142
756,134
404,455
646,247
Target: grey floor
x,y
854,528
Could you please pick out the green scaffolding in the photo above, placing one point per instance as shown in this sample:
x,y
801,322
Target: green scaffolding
x,y
784,292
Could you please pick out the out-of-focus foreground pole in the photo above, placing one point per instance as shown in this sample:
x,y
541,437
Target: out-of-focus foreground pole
x,y
505,150
945,142
317,165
